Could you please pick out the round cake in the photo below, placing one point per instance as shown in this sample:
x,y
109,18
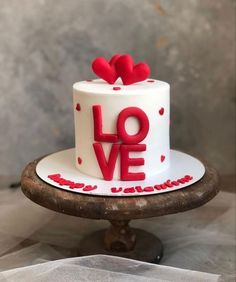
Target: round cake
x,y
122,131
122,145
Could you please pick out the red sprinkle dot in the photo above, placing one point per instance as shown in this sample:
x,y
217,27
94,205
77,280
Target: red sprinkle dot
x,y
89,80
161,111
79,160
150,80
162,158
78,108
116,88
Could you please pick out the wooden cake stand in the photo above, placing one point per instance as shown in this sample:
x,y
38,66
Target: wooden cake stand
x,y
120,239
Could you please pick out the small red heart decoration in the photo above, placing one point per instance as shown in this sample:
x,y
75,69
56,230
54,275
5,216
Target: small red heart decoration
x,y
129,72
161,111
78,108
106,70
162,158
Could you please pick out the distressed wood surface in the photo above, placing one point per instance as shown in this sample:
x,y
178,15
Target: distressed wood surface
x,y
118,208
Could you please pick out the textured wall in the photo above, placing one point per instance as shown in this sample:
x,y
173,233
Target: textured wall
x,y
46,45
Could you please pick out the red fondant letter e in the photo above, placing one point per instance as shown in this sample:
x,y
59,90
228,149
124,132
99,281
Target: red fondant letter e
x,y
97,121
107,167
125,162
143,125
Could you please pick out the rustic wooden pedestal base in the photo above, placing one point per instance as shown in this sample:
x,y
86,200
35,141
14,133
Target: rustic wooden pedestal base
x,y
120,239
147,247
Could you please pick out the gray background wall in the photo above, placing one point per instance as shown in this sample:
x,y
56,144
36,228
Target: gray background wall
x,y
46,45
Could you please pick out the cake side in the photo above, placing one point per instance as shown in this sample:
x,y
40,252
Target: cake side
x,y
122,131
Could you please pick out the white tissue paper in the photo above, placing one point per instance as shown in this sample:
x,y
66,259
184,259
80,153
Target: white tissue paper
x,y
103,268
37,244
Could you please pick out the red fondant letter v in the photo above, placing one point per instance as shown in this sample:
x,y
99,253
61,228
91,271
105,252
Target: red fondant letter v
x,y
107,167
97,121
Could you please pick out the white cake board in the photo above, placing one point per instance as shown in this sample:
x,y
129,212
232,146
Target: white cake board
x,y
63,163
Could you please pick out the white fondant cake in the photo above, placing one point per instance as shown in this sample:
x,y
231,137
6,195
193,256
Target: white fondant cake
x,y
121,136
122,115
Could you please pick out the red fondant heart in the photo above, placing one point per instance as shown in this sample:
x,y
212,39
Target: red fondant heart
x,y
161,111
162,158
79,160
129,72
78,108
106,70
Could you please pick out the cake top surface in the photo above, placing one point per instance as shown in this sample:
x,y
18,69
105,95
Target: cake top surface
x,y
99,86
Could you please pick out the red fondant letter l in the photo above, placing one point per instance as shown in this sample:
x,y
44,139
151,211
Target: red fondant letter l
x,y
98,134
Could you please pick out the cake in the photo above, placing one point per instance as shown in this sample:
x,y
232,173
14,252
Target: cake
x,y
122,145
121,122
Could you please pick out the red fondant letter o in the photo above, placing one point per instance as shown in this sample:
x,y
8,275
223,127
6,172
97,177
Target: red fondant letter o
x,y
143,125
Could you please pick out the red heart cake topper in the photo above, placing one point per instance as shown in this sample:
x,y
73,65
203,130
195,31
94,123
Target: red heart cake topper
x,y
129,72
106,70
120,66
